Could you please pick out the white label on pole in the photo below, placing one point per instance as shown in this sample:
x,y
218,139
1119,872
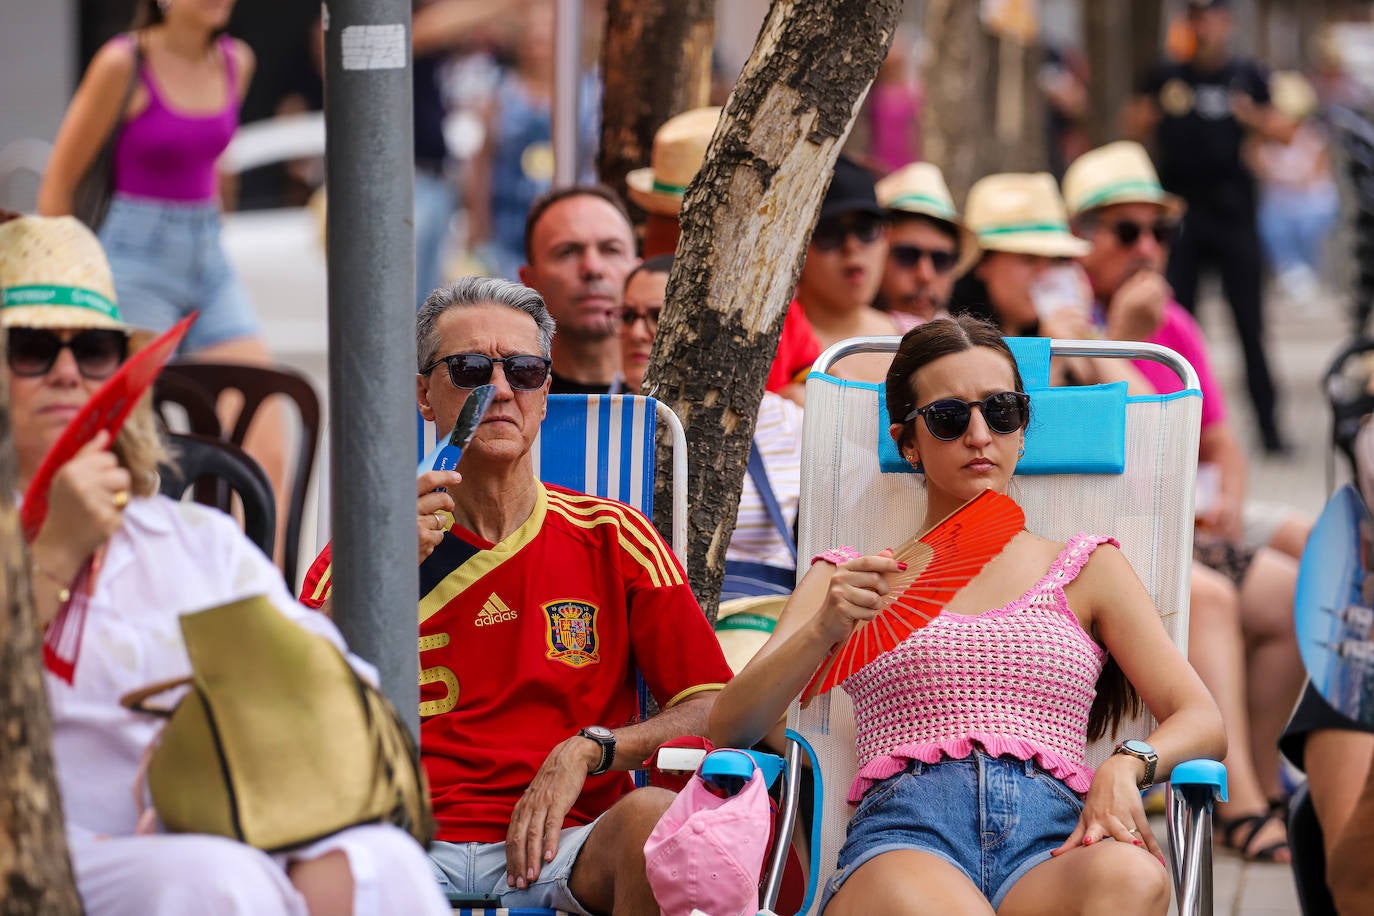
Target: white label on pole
x,y
324,16
374,47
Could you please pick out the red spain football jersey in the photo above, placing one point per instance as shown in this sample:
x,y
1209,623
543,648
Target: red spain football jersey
x,y
526,641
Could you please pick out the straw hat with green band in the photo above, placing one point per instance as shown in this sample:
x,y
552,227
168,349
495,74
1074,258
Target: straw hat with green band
x,y
679,149
53,274
920,189
1022,213
1118,173
743,625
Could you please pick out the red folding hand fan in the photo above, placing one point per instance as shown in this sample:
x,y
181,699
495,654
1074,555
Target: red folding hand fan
x,y
939,563
107,409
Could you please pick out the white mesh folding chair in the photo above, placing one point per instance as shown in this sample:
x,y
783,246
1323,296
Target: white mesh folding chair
x,y
1096,461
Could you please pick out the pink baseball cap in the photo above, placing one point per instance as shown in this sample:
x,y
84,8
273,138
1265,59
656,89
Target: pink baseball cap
x,y
706,852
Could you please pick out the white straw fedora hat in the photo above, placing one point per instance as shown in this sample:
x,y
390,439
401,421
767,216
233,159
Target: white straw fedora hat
x,y
53,274
679,149
1023,213
1118,173
743,625
920,188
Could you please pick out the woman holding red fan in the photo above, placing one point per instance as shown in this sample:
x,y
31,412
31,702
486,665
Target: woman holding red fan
x,y
114,566
973,791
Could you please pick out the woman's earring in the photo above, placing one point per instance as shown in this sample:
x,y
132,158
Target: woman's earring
x,y
1021,452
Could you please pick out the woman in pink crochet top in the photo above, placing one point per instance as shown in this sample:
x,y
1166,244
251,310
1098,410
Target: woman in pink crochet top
x,y
973,792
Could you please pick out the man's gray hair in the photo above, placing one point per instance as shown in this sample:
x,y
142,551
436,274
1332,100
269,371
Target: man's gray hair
x,y
466,292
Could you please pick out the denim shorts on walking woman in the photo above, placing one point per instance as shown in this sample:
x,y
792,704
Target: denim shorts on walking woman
x,y
993,818
167,260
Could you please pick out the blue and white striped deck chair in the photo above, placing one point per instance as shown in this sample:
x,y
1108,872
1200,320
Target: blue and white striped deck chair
x,y
1096,460
603,445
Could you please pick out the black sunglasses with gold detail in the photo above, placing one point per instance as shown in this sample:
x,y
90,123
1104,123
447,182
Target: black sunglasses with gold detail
x,y
32,352
948,418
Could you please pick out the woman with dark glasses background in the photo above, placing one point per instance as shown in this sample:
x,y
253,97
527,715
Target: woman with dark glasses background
x,y
957,737
113,568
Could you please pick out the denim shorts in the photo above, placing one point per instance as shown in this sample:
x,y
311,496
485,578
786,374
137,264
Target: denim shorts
x,y
993,818
474,869
167,260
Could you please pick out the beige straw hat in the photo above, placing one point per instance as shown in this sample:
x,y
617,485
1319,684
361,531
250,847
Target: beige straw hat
x,y
1292,94
1022,213
920,188
53,274
1118,173
679,149
743,625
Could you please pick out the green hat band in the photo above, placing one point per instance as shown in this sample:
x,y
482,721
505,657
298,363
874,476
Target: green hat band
x,y
944,209
1115,190
42,294
1024,227
756,622
662,188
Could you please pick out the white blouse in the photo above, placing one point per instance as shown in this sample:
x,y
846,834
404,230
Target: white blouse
x,y
167,559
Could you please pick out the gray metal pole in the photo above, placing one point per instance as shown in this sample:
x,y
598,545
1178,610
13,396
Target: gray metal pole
x,y
567,79
370,178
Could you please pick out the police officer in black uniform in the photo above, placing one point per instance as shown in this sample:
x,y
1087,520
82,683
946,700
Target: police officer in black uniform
x,y
1201,111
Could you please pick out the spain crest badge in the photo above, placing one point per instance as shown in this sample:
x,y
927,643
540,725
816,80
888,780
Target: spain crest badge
x,y
572,635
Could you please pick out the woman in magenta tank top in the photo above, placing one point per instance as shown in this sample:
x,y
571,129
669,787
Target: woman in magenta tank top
x,y
973,790
184,80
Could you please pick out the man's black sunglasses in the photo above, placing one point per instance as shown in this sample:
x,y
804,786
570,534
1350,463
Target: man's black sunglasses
x,y
908,256
1004,412
471,370
1128,232
32,352
830,233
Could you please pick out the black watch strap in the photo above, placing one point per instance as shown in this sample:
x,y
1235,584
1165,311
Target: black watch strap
x,y
606,739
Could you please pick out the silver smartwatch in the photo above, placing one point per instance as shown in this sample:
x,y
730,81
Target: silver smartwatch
x,y
1142,751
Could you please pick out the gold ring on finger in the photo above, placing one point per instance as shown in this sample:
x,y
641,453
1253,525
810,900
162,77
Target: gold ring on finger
x,y
120,499
1134,831
440,519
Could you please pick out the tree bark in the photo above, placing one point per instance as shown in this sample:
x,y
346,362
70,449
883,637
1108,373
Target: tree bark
x,y
1105,37
960,91
1147,40
745,224
35,874
657,63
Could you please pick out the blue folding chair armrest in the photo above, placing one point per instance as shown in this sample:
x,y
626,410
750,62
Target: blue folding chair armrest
x,y
1194,786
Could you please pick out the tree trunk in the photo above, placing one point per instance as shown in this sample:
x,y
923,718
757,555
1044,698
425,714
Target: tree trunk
x,y
960,91
1105,37
35,874
1147,40
657,62
745,223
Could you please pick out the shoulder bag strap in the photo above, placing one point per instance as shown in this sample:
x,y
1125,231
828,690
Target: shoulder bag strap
x,y
137,700
759,474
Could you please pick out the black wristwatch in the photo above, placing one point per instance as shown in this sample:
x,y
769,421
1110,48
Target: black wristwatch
x,y
1143,752
606,738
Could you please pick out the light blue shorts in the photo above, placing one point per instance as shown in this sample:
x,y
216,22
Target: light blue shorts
x,y
167,261
993,818
480,868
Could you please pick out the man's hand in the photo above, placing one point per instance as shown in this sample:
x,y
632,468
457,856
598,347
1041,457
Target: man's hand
x,y
1137,309
532,839
430,500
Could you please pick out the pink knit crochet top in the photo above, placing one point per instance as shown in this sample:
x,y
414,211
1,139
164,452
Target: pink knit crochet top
x,y
1016,680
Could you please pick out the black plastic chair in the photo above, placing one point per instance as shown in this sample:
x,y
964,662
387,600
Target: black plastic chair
x,y
1308,848
216,470
1346,384
255,384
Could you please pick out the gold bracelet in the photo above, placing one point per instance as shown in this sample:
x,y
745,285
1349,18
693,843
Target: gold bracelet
x,y
64,593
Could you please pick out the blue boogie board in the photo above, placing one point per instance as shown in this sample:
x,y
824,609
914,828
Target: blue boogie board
x,y
1334,616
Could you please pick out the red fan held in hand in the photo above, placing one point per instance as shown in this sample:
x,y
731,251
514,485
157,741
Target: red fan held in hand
x,y
939,563
107,409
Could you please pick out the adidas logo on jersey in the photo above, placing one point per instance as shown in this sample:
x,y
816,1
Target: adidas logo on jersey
x,y
494,611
